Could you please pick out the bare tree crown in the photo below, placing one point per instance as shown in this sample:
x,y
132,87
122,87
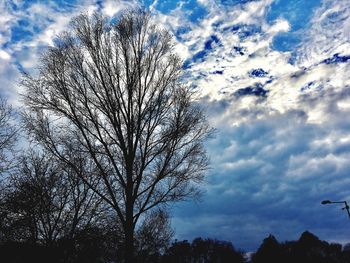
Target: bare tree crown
x,y
112,91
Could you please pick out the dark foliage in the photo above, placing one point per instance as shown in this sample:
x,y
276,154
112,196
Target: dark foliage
x,y
203,250
269,251
97,245
89,246
308,249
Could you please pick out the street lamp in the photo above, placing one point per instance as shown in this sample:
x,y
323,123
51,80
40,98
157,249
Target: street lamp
x,y
346,207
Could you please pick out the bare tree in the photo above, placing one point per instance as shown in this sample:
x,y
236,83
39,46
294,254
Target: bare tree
x,y
8,135
153,236
45,202
112,90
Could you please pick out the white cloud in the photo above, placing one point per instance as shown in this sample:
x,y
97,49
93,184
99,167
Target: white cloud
x,y
329,33
4,55
112,7
281,25
9,76
286,83
6,21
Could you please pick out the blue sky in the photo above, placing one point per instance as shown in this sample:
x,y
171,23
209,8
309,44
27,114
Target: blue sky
x,y
274,78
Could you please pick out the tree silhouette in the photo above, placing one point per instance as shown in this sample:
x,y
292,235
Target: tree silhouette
x,y
346,253
310,248
269,251
179,252
307,249
202,251
112,91
153,236
46,205
8,134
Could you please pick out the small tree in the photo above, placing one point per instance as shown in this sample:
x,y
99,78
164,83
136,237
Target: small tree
x,y
112,90
45,202
154,236
8,134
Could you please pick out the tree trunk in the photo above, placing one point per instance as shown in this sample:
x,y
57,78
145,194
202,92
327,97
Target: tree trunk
x,y
129,220
129,236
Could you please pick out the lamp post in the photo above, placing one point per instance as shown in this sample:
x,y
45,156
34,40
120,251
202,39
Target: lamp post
x,y
346,206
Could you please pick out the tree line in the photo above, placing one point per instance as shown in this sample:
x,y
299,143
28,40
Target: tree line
x,y
98,245
307,249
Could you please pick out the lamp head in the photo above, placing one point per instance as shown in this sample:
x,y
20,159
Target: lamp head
x,y
325,202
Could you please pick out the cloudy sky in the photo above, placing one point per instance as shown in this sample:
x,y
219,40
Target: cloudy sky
x,y
274,78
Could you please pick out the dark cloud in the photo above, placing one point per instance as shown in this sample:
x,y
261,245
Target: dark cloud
x,y
269,176
256,90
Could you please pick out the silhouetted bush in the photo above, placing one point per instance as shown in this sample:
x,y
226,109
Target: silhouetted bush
x,y
202,250
269,251
89,246
308,249
20,252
